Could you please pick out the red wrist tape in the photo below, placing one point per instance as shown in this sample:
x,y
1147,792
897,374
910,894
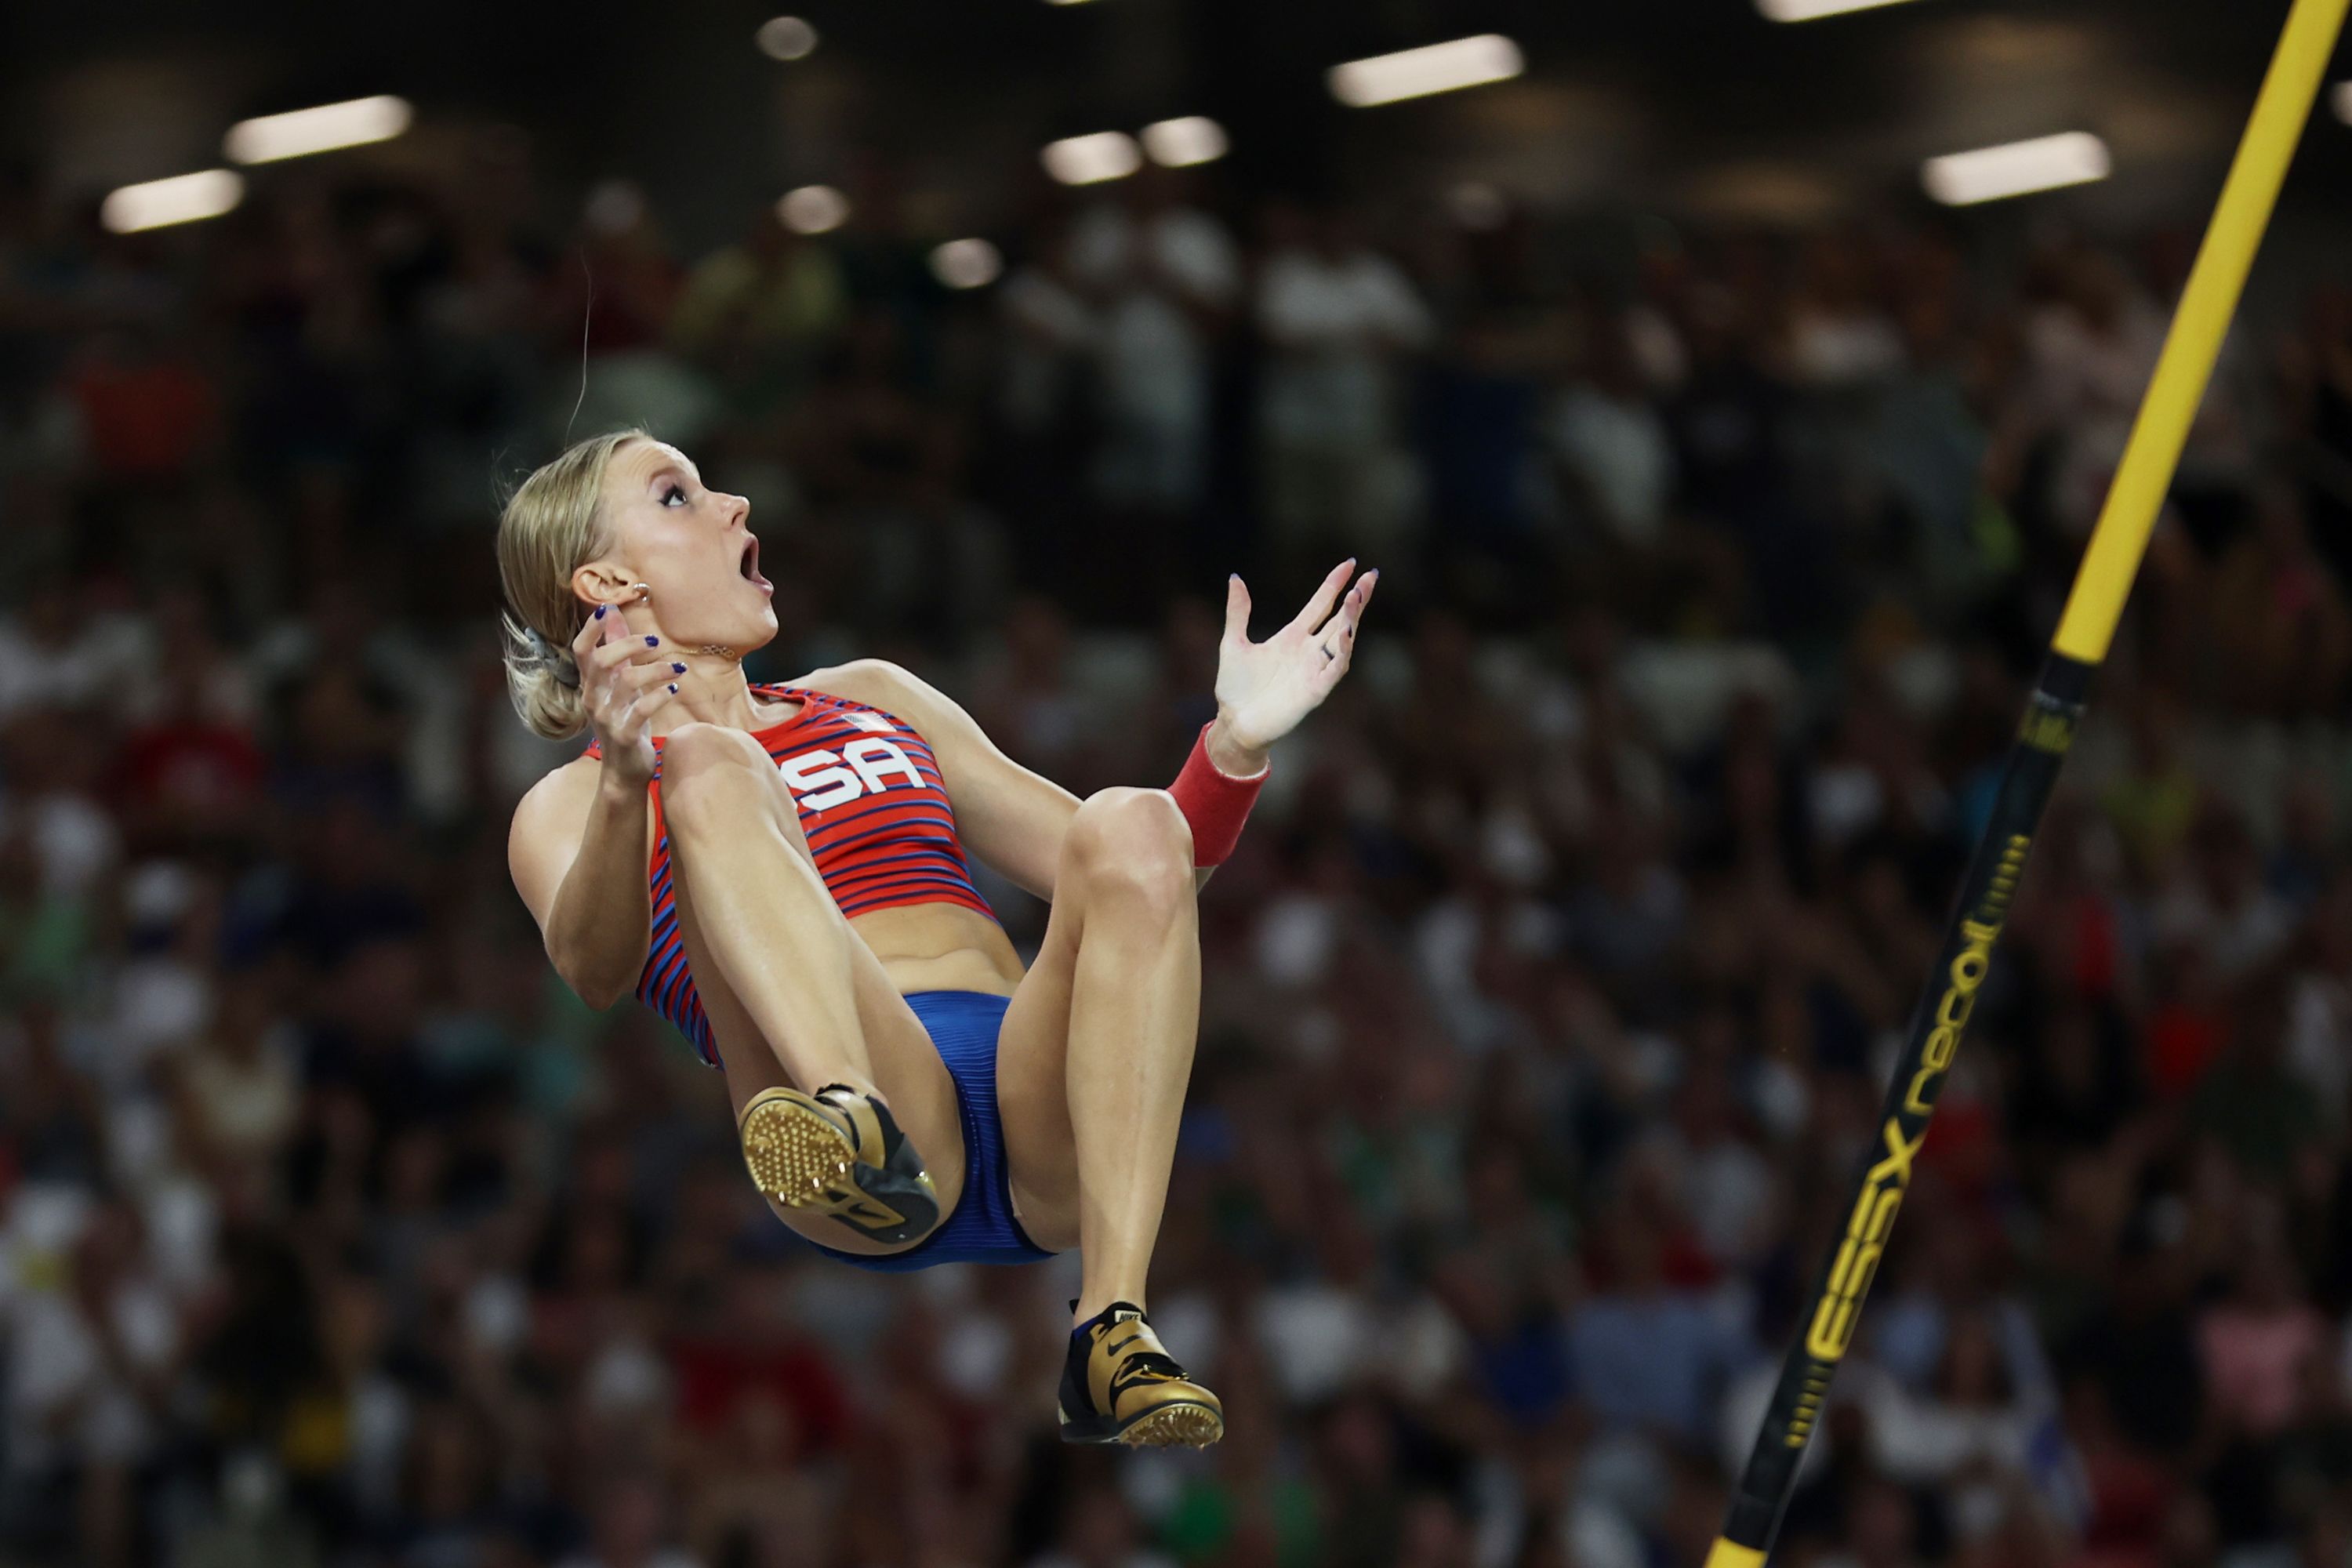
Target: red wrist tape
x,y
1215,804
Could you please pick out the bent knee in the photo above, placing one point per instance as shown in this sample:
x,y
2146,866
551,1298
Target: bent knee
x,y
699,762
693,747
1131,841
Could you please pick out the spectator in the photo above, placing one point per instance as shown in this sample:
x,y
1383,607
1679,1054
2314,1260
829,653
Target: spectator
x,y
629,1530
1165,276
1341,322
2256,1345
1548,998
1645,1353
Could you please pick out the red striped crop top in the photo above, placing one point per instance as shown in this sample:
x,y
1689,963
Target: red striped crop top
x,y
879,823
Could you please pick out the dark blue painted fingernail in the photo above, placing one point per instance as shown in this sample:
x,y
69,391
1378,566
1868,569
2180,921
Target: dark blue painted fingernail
x,y
679,668
673,685
600,611
652,641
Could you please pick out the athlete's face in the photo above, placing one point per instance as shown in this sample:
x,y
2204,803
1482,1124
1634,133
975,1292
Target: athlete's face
x,y
690,546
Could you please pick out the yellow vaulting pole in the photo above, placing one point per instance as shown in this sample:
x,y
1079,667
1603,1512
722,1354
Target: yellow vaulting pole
x,y
2102,583
2105,579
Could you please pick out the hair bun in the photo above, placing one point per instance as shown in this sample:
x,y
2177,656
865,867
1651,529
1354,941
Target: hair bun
x,y
558,661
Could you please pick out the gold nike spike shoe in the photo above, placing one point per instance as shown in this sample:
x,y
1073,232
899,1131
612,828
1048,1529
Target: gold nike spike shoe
x,y
1120,1385
839,1152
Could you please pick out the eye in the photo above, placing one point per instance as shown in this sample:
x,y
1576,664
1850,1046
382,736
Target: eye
x,y
673,495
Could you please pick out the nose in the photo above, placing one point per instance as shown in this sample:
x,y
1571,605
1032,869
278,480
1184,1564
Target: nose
x,y
739,509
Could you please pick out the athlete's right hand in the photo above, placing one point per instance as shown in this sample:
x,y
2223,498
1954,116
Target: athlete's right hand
x,y
626,679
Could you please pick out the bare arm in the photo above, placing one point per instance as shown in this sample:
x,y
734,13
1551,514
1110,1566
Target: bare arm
x,y
1011,817
577,851
1015,819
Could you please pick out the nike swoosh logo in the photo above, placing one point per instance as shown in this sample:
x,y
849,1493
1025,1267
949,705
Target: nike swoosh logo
x,y
1121,1386
869,1210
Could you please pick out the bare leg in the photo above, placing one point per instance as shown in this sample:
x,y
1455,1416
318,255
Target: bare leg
x,y
769,923
792,995
1097,1043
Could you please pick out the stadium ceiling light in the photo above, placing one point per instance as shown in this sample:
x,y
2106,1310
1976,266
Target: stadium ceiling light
x,y
966,263
1434,68
814,209
786,39
321,130
2339,98
1089,160
1181,143
2015,168
1814,10
183,198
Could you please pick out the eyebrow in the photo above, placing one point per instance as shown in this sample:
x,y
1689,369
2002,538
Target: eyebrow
x,y
674,469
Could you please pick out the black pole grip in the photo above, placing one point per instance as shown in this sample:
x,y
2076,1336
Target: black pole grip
x,y
1938,1024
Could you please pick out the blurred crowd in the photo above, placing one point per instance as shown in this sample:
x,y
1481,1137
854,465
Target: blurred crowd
x,y
1547,1002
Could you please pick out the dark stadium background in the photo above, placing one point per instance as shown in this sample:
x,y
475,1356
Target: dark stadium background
x,y
1723,488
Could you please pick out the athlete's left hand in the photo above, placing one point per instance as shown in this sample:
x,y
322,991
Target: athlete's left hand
x,y
1264,688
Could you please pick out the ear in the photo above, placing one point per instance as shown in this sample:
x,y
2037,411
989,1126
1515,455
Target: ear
x,y
603,583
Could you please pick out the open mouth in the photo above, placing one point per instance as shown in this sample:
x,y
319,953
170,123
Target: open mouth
x,y
749,566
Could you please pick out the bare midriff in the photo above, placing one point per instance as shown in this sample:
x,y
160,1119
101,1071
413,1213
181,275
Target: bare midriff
x,y
941,947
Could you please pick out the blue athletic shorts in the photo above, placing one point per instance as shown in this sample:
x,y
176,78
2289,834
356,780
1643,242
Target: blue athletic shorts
x,y
982,1228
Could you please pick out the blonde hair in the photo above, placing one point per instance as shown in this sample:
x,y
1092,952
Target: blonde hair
x,y
551,526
